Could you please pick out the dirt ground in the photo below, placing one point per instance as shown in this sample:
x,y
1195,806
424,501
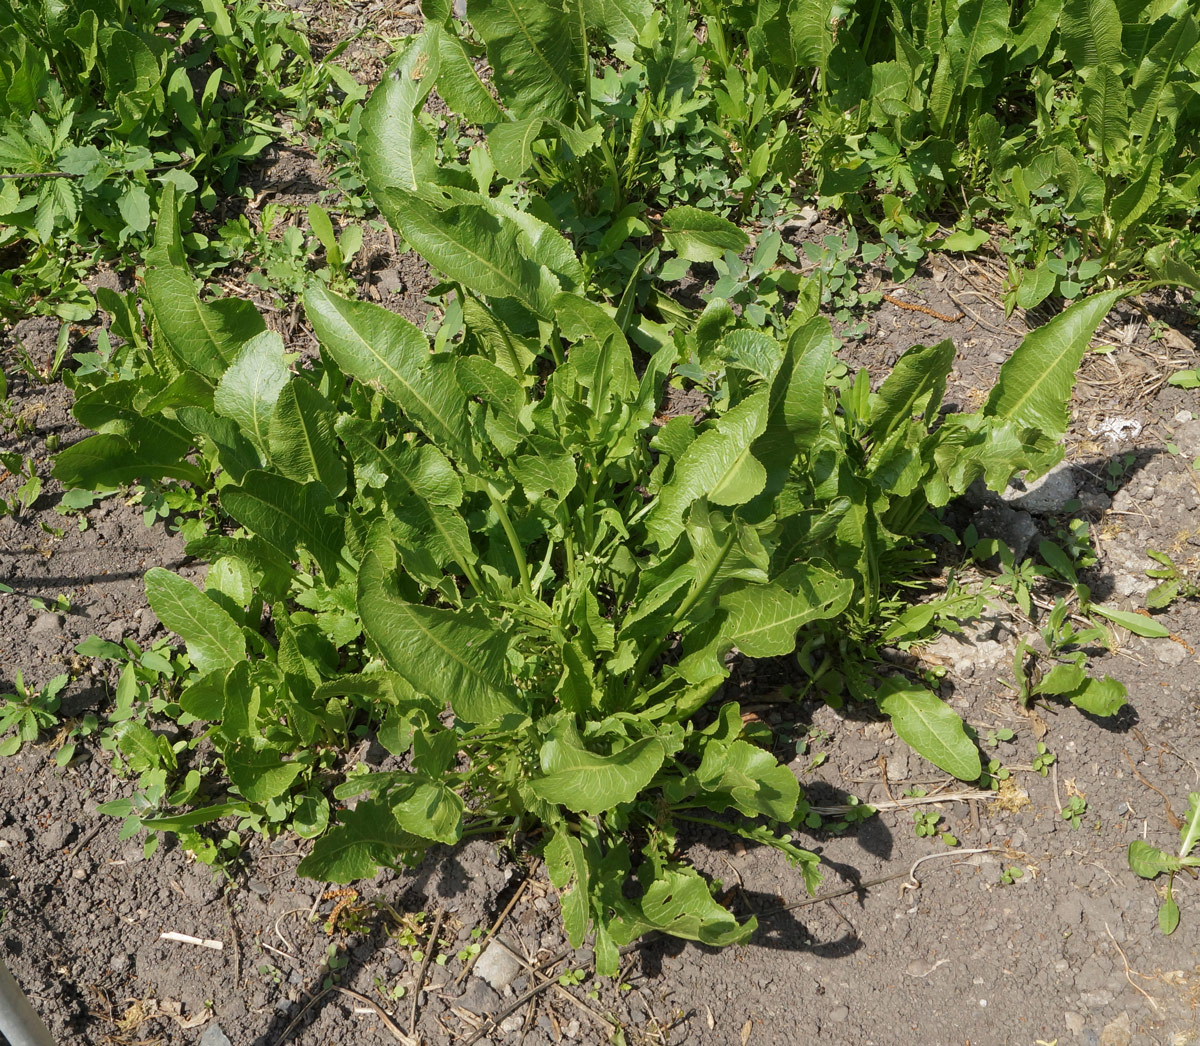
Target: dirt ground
x,y
942,951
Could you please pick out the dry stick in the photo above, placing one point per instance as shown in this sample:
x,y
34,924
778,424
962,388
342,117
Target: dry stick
x,y
913,882
1128,970
978,319
91,833
1172,817
303,1010
494,1021
1054,780
538,977
833,809
237,949
412,1013
381,1013
495,926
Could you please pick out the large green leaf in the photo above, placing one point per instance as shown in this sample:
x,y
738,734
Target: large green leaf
x,y
458,83
259,772
914,388
289,516
302,441
380,348
754,779
1106,106
248,390
718,465
1090,33
394,148
455,657
701,236
511,145
568,869
423,490
1152,76
537,61
589,782
367,839
680,903
1149,861
932,728
980,28
473,246
107,461
213,638
798,391
762,620
1034,387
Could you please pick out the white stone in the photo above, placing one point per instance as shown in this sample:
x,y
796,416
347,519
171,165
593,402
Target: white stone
x,y
1048,494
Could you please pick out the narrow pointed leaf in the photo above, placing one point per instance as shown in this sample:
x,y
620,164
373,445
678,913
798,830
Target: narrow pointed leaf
x,y
1035,384
378,347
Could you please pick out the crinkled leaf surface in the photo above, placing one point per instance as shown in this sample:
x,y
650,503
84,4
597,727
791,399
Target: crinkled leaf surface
x,y
213,638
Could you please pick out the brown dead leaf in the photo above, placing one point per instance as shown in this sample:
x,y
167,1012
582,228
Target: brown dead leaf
x,y
747,1028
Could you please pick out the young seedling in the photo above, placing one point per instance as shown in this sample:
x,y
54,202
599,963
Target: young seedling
x,y
1149,862
1076,807
1043,760
1172,584
28,711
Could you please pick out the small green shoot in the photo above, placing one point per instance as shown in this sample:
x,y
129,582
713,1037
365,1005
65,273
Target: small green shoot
x,y
1149,862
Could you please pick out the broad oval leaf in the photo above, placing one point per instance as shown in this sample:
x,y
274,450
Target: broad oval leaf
x,y
367,839
931,728
1149,861
457,657
249,389
588,782
259,772
213,638
701,236
289,516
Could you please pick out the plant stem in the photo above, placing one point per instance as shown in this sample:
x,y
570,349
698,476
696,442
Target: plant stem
x,y
513,542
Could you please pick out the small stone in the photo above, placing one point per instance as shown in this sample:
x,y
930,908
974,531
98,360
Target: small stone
x,y
1096,1000
1074,1022
498,966
259,887
571,1031
479,997
1187,438
1094,501
1048,494
512,1023
1169,652
47,622
838,1014
213,1036
1117,1033
1183,416
79,873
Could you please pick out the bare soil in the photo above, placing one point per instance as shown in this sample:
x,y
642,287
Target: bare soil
x,y
941,951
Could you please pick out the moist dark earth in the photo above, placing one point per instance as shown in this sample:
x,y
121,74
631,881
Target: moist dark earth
x,y
944,951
